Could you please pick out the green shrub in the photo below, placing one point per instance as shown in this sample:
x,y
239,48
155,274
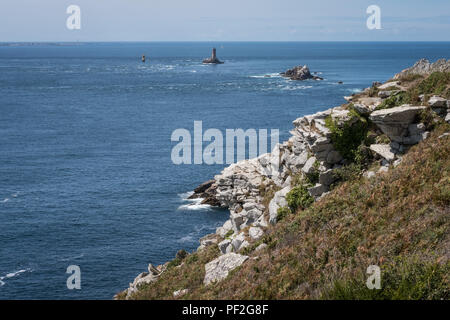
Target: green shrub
x,y
299,198
400,280
349,172
313,177
436,83
394,101
347,137
282,213
229,234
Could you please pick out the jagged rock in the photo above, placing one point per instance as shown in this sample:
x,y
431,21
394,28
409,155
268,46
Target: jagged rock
x,y
278,201
225,246
414,139
213,59
416,128
144,278
317,190
334,157
219,268
369,174
370,102
424,67
327,178
180,293
309,168
437,102
387,94
300,73
206,191
384,150
239,242
207,241
394,122
255,233
447,117
222,231
388,85
237,220
362,109
261,247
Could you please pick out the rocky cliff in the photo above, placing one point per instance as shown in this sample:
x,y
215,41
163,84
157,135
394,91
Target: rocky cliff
x,y
366,137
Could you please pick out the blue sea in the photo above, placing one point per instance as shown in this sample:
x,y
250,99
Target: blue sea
x,y
86,176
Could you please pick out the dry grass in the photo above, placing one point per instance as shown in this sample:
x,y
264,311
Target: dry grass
x,y
323,252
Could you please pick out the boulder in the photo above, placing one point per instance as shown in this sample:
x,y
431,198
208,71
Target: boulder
x,y
437,102
261,247
180,293
362,109
278,201
255,233
383,150
370,102
222,231
334,157
416,128
225,246
317,190
388,85
369,174
385,94
309,168
219,268
394,122
327,177
238,242
208,240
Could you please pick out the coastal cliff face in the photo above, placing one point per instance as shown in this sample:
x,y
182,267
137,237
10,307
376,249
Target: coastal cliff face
x,y
365,138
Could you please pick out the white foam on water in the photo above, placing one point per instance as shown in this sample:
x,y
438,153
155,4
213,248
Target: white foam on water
x,y
16,273
293,88
5,200
194,206
355,90
185,195
267,76
186,239
13,274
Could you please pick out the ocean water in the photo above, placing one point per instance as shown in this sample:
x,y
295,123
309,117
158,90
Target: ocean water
x,y
86,176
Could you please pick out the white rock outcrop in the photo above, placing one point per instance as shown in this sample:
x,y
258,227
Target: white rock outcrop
x,y
219,268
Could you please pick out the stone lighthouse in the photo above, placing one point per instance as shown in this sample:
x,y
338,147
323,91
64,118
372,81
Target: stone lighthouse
x,y
213,58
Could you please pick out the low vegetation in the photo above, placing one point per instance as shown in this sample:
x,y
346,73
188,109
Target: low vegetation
x,y
397,220
436,83
347,137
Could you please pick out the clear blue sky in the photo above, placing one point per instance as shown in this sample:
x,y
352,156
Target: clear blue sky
x,y
226,20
